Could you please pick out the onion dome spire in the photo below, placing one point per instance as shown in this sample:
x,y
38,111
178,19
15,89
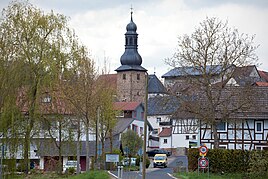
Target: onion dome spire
x,y
131,59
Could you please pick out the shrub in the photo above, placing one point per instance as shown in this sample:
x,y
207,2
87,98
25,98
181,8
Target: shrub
x,y
70,171
140,158
258,164
232,161
193,155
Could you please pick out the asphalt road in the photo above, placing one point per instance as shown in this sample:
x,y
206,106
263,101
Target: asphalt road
x,y
153,173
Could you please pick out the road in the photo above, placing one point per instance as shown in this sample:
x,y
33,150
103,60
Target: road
x,y
153,173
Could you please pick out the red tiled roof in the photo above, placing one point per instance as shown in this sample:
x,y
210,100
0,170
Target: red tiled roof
x,y
126,106
261,83
166,132
110,79
263,74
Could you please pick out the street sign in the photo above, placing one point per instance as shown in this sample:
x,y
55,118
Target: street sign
x,y
203,150
126,150
112,157
140,152
203,162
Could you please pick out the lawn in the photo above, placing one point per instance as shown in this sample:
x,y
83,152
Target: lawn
x,y
194,175
88,175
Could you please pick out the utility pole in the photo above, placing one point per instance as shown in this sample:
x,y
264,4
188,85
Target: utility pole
x,y
2,157
145,127
97,135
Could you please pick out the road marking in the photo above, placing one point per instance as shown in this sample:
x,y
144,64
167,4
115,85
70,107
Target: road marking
x,y
112,174
171,176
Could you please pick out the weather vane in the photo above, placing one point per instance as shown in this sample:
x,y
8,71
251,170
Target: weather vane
x,y
131,9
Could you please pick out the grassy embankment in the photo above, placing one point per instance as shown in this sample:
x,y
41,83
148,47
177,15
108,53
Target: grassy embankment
x,y
88,175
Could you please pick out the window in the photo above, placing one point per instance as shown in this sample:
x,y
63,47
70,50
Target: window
x,y
258,148
187,137
165,141
194,137
124,76
141,130
134,114
138,77
134,128
155,131
222,147
258,126
221,126
158,119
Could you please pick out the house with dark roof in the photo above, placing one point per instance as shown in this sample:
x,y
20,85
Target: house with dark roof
x,y
160,110
48,152
246,75
244,128
155,86
130,116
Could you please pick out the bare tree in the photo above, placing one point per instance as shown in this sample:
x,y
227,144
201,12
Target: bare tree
x,y
205,62
107,115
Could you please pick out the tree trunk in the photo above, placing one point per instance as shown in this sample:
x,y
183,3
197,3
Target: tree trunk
x,y
60,152
111,140
87,147
102,154
27,142
26,151
78,149
215,135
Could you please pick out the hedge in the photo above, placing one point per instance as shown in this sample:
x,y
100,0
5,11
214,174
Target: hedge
x,y
231,161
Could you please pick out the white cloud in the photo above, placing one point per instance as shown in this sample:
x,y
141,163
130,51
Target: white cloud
x,y
100,25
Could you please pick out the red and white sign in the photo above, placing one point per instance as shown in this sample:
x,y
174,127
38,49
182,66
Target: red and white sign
x,y
203,162
203,149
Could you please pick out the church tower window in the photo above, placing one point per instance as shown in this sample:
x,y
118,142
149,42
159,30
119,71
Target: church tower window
x,y
138,77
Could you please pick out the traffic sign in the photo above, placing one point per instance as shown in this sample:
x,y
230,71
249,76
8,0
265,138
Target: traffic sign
x,y
203,150
140,152
203,162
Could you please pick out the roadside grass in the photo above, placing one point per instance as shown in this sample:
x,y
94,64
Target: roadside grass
x,y
194,175
49,175
131,168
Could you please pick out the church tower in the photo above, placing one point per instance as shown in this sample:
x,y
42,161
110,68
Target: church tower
x,y
131,76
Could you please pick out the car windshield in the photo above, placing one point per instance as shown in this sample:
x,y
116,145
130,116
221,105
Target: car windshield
x,y
159,157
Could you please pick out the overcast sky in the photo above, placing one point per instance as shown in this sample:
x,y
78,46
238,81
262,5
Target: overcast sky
x,y
101,25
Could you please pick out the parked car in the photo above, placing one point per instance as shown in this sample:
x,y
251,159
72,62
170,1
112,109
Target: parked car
x,y
152,153
70,164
